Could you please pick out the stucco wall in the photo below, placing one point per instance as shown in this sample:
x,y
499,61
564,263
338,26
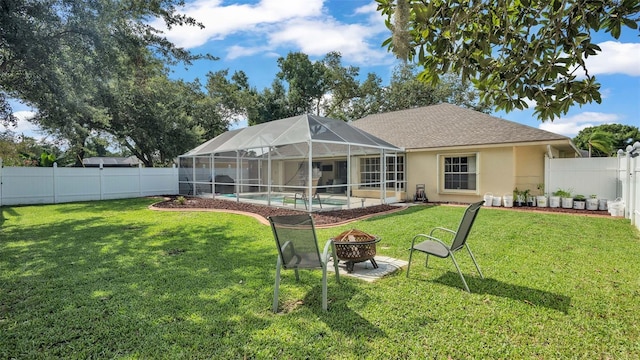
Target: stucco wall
x,y
500,170
529,161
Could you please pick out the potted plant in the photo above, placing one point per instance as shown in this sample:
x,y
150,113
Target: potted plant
x,y
566,199
592,202
554,199
541,199
579,202
531,199
519,198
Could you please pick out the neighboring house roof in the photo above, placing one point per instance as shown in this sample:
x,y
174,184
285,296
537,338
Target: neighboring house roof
x,y
111,161
447,125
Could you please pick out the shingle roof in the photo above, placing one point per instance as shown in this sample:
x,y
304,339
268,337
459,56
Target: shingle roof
x,y
447,125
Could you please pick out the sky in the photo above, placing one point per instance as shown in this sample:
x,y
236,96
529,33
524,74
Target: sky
x,y
250,35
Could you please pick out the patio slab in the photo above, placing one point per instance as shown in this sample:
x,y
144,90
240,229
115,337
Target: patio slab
x,y
365,271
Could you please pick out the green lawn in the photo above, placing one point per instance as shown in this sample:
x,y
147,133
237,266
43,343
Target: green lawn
x,y
113,279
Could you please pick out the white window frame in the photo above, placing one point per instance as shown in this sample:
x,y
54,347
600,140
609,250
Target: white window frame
x,y
442,173
374,171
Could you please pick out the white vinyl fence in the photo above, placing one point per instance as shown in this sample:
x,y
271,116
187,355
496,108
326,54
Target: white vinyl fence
x,y
608,178
37,185
584,176
630,179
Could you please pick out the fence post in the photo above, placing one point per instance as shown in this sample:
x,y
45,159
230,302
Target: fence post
x,y
632,189
140,180
101,172
177,179
54,180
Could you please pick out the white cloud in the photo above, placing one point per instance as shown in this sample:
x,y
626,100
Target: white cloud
x,y
221,21
236,51
24,126
317,37
270,26
615,58
571,126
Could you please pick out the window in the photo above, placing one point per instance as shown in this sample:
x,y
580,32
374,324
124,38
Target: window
x,y
370,172
460,172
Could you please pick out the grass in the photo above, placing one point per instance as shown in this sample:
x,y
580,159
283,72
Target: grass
x,y
113,279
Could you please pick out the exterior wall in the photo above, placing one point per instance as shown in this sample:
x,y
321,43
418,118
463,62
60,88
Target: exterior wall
x,y
499,171
529,168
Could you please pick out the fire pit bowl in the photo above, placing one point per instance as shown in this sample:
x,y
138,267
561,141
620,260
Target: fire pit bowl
x,y
354,246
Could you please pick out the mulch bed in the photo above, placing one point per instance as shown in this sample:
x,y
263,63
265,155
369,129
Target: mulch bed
x,y
320,218
332,217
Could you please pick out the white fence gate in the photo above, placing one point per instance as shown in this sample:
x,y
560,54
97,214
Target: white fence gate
x,y
630,178
37,185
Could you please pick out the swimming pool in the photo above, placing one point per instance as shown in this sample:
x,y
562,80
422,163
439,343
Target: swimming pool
x,y
289,199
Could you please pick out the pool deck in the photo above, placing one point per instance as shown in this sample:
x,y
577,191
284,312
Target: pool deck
x,y
329,201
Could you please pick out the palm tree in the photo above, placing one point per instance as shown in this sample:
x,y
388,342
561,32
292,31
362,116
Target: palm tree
x,y
602,141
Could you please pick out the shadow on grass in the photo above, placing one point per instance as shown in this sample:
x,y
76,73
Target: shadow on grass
x,y
339,317
9,211
140,282
495,287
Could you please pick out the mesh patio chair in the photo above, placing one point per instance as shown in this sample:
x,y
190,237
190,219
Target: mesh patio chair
x,y
436,246
304,195
298,249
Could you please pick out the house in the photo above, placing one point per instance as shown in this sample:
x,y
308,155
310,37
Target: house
x,y
460,154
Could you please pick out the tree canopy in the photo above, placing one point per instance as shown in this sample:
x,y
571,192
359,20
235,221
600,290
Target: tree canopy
x,y
50,47
512,51
607,139
89,67
326,87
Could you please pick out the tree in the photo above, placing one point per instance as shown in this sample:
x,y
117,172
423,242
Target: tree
x,y
307,82
45,44
328,88
605,140
511,50
341,86
405,91
227,100
153,117
601,141
271,104
20,150
370,99
90,67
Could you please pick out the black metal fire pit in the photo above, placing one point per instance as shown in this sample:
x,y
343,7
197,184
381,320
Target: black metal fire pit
x,y
354,246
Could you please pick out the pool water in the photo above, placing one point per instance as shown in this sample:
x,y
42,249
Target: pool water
x,y
277,198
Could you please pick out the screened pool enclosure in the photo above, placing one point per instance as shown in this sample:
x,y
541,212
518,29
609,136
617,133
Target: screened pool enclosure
x,y
304,162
